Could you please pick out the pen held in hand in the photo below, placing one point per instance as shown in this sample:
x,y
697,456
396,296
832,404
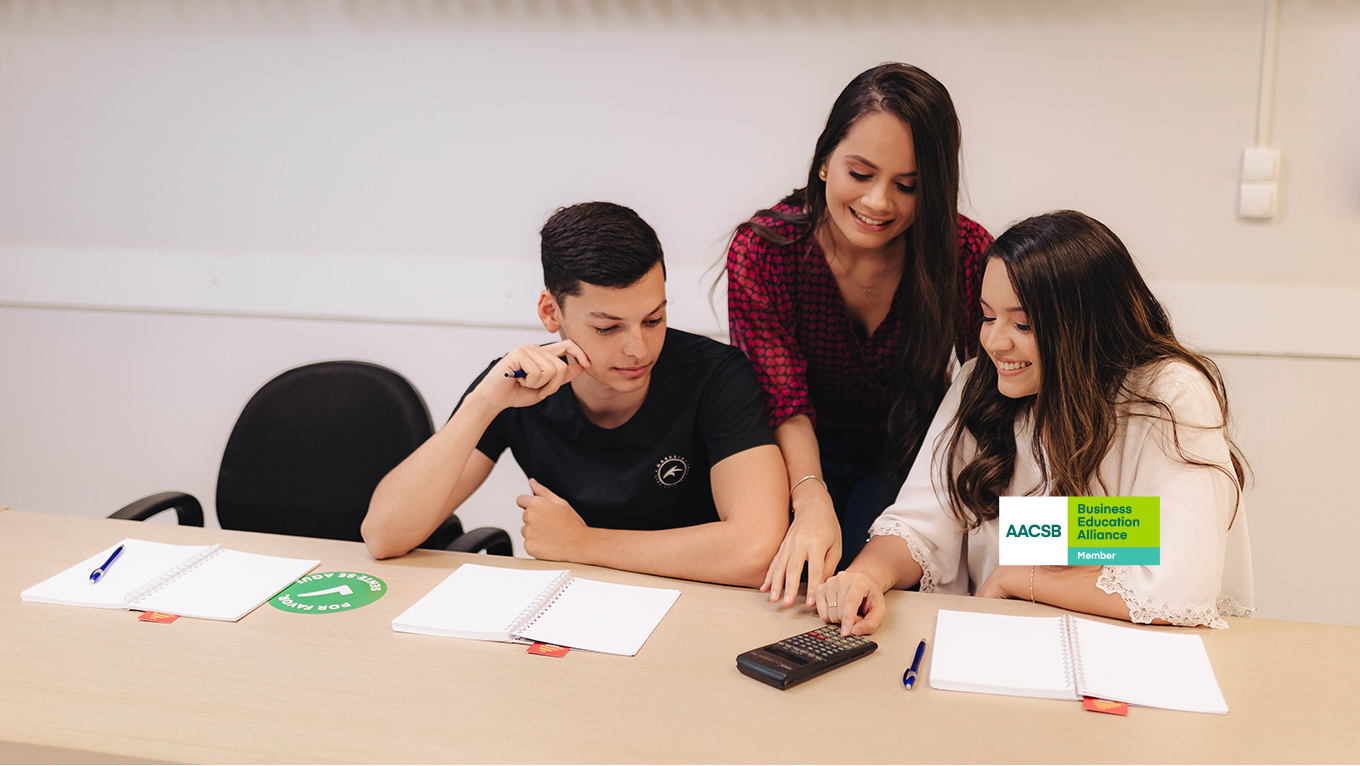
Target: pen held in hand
x,y
516,374
98,573
909,677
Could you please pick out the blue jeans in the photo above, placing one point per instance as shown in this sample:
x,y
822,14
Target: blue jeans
x,y
859,480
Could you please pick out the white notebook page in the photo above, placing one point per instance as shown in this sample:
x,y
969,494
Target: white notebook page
x,y
140,562
226,586
1147,667
602,616
476,601
1000,654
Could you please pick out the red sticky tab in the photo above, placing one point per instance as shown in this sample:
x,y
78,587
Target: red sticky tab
x,y
158,617
1105,706
548,650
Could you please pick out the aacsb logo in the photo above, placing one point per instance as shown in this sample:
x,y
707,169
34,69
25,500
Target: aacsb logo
x,y
1080,530
1033,531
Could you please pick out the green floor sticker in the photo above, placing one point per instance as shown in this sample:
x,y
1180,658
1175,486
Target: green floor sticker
x,y
326,592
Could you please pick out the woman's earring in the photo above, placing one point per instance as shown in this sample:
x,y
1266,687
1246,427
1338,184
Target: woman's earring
x,y
822,174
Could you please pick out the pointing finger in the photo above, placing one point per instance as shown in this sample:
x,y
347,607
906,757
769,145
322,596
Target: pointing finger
x,y
542,491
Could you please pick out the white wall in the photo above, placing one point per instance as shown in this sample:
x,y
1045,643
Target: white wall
x,y
197,196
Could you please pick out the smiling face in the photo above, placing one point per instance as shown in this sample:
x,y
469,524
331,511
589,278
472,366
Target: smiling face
x,y
871,183
1007,337
620,329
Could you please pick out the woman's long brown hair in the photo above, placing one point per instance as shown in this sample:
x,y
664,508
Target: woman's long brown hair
x,y
1094,321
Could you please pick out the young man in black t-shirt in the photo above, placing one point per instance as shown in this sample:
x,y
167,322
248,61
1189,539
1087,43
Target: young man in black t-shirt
x,y
646,448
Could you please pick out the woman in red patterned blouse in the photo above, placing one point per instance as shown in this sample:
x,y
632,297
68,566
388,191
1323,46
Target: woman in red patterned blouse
x,y
850,297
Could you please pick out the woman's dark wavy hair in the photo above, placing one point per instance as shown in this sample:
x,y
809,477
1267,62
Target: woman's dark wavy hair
x,y
930,270
1094,321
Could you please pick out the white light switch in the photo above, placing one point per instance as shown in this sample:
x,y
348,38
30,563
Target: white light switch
x,y
1257,201
1260,165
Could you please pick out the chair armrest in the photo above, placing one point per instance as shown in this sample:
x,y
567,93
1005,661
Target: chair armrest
x,y
443,537
186,506
490,539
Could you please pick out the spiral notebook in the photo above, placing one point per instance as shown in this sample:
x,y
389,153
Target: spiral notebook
x,y
205,581
1070,658
552,606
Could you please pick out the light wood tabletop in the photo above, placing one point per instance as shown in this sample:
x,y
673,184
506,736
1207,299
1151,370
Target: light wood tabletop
x,y
93,685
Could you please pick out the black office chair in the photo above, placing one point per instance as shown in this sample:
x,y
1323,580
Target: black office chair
x,y
307,452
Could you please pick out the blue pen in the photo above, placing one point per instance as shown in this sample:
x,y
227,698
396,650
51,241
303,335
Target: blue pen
x,y
98,573
516,374
909,677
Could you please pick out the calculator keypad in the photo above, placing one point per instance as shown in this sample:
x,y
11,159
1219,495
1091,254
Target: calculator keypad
x,y
822,643
811,654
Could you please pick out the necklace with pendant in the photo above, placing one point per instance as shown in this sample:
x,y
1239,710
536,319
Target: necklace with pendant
x,y
868,292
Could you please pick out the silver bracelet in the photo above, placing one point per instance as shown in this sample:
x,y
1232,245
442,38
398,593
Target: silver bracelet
x,y
1031,584
805,478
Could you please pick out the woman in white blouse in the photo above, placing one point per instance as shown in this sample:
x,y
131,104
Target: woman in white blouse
x,y
1082,390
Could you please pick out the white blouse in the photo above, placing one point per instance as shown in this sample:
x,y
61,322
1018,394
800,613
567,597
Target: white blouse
x,y
1205,569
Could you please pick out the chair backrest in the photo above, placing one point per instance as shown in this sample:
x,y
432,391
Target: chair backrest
x,y
312,444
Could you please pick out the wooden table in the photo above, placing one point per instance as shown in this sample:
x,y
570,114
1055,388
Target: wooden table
x,y
92,685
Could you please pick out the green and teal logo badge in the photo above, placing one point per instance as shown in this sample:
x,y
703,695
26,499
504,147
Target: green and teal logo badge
x,y
1081,530
326,592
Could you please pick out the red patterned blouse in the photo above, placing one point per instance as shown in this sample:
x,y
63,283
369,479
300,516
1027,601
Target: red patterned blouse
x,y
786,312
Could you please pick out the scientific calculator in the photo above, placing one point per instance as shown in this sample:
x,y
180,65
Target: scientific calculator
x,y
806,655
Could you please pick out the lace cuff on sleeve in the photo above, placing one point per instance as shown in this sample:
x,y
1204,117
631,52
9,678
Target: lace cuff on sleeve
x,y
1144,609
930,571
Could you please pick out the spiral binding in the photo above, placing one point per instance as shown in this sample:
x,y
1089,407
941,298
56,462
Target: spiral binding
x,y
1066,643
538,605
187,566
1073,671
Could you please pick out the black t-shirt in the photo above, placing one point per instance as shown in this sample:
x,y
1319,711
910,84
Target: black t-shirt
x,y
703,405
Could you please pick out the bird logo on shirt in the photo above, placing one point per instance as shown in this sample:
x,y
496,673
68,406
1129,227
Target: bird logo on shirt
x,y
671,471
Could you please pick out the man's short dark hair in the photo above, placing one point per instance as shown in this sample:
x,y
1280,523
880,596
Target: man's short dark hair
x,y
599,243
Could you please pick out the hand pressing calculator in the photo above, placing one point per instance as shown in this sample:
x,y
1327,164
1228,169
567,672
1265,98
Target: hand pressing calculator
x,y
807,655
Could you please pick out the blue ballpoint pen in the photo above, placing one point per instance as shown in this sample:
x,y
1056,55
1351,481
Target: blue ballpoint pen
x,y
517,374
909,677
98,573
